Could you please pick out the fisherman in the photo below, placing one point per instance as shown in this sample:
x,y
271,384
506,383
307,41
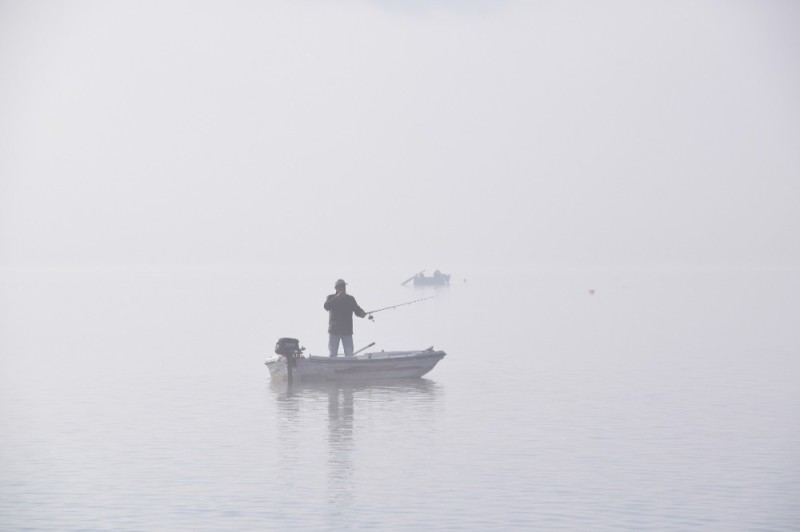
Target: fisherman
x,y
341,306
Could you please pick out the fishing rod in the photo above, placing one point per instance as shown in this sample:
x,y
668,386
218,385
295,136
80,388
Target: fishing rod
x,y
371,312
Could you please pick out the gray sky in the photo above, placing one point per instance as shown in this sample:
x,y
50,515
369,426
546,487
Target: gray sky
x,y
528,134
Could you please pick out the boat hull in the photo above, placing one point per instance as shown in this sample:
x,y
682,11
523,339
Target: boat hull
x,y
443,280
369,366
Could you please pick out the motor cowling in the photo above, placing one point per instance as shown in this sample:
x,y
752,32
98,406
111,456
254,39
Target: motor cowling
x,y
288,347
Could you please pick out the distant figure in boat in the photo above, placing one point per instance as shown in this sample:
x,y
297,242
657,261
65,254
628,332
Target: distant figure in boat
x,y
341,306
437,279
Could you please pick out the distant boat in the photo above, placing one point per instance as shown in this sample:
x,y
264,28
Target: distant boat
x,y
378,365
437,279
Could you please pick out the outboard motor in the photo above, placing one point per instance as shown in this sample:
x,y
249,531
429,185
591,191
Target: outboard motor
x,y
288,347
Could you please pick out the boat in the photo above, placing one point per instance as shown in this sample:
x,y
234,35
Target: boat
x,y
365,366
437,279
441,280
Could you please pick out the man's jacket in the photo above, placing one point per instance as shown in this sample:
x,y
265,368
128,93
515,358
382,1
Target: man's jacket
x,y
340,313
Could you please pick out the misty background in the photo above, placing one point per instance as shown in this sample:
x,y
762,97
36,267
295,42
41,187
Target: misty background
x,y
495,134
614,187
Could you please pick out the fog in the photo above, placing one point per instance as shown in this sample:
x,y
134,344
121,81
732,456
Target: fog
x,y
614,187
399,135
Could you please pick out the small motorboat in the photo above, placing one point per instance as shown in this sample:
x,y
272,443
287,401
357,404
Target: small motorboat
x,y
442,279
290,363
437,279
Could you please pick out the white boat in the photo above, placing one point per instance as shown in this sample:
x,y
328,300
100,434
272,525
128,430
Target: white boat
x,y
366,366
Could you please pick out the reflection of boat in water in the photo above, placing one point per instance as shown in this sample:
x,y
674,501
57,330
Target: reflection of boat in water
x,y
324,437
376,390
367,366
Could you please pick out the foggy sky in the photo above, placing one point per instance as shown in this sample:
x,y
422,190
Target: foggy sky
x,y
442,134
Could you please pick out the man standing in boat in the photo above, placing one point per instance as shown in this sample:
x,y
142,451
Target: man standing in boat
x,y
341,306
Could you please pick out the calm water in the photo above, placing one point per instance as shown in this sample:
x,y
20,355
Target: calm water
x,y
139,401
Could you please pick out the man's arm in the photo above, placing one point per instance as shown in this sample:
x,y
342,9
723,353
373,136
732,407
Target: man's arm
x,y
329,302
358,311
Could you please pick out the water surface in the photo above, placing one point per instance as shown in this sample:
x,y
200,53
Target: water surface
x,y
134,400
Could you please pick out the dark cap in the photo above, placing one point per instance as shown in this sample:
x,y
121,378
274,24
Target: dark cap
x,y
339,282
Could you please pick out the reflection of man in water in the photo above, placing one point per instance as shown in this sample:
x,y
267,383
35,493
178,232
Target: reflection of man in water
x,y
341,484
341,306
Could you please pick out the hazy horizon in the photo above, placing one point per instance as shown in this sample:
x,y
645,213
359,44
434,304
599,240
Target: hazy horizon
x,y
553,135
